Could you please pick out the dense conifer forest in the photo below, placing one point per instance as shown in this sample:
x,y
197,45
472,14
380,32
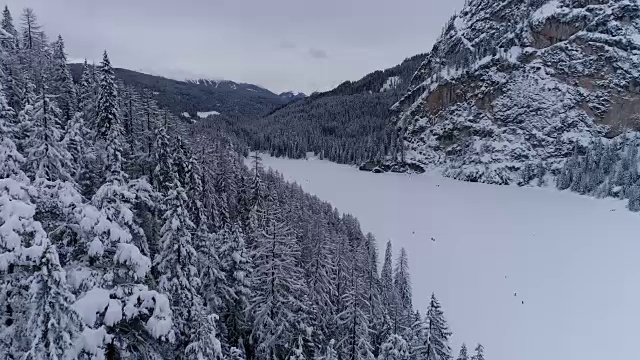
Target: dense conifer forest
x,y
127,233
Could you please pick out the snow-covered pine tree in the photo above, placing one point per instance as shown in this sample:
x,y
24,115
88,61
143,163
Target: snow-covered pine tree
x,y
177,264
479,353
22,244
10,159
86,95
437,341
237,353
10,42
394,348
364,350
107,105
9,78
163,174
47,157
330,352
130,115
279,300
257,190
379,320
53,325
402,287
150,114
237,267
634,197
7,22
195,192
61,83
180,159
386,282
321,272
75,141
463,355
354,318
33,38
297,353
417,337
205,344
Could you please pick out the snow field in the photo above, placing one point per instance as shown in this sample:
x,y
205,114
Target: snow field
x,y
531,273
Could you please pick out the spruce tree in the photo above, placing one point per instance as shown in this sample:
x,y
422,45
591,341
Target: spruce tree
x,y
22,243
86,95
237,268
163,173
479,353
395,348
463,353
297,353
437,342
61,83
278,305
107,105
53,325
354,319
7,22
177,264
330,352
7,25
237,353
47,157
417,337
402,287
75,142
386,281
204,343
10,159
321,270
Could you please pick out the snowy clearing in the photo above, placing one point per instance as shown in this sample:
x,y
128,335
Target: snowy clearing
x,y
572,260
205,114
391,83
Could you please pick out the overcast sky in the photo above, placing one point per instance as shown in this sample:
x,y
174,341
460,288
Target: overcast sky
x,y
298,45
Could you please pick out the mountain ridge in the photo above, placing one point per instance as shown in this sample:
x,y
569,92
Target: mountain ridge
x,y
231,99
513,83
348,124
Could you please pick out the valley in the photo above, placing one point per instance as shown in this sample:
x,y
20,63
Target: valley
x,y
151,218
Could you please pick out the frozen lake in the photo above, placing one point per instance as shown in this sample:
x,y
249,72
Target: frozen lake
x,y
573,260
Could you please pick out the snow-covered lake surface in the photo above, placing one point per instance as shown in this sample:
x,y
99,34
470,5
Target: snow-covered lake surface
x,y
573,260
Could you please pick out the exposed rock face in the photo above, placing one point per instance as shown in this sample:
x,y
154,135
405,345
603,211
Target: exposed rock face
x,y
512,82
386,166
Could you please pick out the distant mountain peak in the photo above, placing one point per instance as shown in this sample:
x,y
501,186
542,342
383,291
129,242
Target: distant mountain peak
x,y
292,96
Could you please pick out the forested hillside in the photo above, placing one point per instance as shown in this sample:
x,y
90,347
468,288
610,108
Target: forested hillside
x,y
126,233
230,99
349,124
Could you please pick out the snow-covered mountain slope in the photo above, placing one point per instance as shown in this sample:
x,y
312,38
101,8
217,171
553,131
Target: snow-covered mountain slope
x,y
229,85
348,124
290,96
531,273
234,100
512,82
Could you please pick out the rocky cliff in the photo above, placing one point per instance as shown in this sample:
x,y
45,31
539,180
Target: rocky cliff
x,y
512,83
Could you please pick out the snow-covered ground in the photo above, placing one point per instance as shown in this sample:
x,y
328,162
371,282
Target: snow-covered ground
x,y
573,260
206,114
391,83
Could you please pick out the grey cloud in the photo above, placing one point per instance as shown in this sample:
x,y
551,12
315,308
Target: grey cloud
x,y
285,44
318,53
281,44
